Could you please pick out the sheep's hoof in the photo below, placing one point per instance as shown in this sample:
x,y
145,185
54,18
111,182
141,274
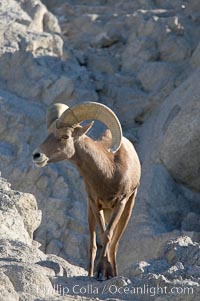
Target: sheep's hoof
x,y
104,270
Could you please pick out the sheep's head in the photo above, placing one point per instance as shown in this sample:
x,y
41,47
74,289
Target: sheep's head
x,y
64,129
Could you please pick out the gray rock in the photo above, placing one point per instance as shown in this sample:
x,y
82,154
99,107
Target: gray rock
x,y
191,221
102,63
182,249
195,59
7,291
65,268
17,251
174,49
50,23
179,151
26,272
192,10
170,273
138,51
29,279
155,75
19,216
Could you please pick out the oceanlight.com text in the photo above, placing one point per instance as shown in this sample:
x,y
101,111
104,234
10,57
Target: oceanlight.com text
x,y
113,290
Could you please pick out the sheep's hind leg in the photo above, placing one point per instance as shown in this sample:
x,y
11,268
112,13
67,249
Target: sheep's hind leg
x,y
121,226
92,245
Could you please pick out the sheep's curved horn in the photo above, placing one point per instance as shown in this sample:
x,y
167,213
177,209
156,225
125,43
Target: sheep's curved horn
x,y
54,112
93,110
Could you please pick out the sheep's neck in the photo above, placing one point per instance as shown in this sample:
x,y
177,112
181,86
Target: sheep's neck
x,y
93,159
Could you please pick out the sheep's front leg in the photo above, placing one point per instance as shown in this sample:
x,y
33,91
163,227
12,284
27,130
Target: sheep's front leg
x,y
95,215
105,270
92,244
121,226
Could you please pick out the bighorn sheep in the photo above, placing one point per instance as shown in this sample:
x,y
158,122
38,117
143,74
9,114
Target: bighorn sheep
x,y
110,168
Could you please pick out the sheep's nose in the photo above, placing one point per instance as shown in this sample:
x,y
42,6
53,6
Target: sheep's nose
x,y
39,159
36,156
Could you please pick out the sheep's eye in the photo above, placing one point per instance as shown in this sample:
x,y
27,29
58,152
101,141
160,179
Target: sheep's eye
x,y
65,137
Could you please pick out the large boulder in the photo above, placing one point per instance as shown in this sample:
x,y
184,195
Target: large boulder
x,y
26,272
172,276
19,215
180,150
167,203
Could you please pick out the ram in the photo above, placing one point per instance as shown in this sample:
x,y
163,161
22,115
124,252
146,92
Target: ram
x,y
110,169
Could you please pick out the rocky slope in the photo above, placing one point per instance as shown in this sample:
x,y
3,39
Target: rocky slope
x,y
142,59
27,274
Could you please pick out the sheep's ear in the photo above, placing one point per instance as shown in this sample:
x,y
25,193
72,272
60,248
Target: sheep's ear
x,y
83,129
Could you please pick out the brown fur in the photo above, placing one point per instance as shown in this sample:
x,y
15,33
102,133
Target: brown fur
x,y
111,181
